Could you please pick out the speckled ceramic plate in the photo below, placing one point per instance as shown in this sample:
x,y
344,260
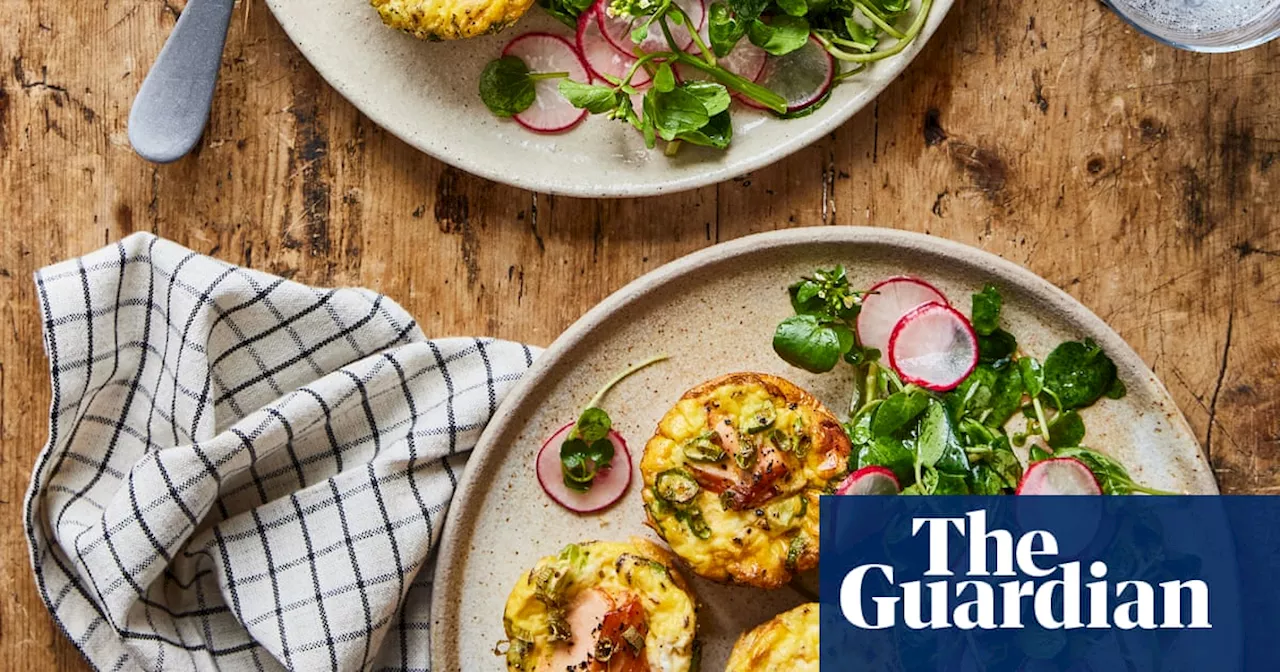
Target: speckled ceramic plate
x,y
714,312
426,94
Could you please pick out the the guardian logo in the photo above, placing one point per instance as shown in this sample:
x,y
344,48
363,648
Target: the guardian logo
x,y
1024,575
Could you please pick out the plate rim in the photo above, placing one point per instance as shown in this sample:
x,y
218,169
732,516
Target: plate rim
x,y
447,587
715,173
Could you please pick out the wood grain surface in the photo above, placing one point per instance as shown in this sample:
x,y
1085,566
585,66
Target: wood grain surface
x,y
1142,180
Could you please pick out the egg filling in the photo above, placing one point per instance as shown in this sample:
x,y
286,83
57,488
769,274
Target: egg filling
x,y
733,475
789,641
601,607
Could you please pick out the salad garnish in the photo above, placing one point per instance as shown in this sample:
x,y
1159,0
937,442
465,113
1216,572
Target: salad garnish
x,y
673,76
939,436
587,448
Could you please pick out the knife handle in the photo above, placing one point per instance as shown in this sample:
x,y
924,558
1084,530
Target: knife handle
x,y
172,107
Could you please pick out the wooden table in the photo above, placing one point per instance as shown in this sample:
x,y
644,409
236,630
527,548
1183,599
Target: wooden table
x,y
1143,180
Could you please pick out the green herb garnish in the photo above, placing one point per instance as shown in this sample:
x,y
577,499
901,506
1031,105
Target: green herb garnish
x,y
683,110
587,449
506,85
953,443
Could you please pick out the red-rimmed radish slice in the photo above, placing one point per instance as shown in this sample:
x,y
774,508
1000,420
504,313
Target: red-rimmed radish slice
x,y
870,481
885,304
607,487
802,77
934,347
617,29
600,56
1059,476
543,52
746,60
1075,533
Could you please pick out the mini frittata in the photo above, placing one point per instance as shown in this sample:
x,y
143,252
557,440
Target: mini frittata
x,y
788,641
602,606
450,19
733,475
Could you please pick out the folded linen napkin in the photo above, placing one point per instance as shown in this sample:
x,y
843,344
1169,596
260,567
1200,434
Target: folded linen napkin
x,y
244,472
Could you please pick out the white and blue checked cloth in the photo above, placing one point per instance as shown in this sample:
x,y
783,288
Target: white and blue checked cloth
x,y
245,473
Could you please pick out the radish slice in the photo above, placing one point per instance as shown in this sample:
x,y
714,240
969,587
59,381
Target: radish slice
x,y
1075,533
870,481
885,304
608,486
542,52
617,29
934,347
600,56
802,77
1059,476
746,60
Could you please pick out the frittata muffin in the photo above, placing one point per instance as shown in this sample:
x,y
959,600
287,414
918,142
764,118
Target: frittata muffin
x,y
733,474
788,641
450,19
602,606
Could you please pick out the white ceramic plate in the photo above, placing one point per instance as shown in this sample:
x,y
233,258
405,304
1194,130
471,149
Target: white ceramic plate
x,y
714,312
426,94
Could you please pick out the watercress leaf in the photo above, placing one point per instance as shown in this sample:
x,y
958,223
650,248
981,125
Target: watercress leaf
x,y
793,7
1006,397
784,35
1112,477
718,132
566,11
859,33
676,111
858,355
593,425
806,342
996,346
899,410
505,86
950,484
1066,430
601,452
648,125
1078,374
936,436
590,97
1032,376
859,426
986,310
715,97
890,453
806,297
723,29
641,32
986,481
747,10
664,79
889,8
1037,453
1117,389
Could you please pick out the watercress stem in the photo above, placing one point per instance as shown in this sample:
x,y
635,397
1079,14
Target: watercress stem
x,y
595,401
1040,419
877,19
707,53
907,37
757,93
536,76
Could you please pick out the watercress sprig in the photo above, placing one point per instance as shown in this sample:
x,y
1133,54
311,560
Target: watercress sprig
x,y
587,448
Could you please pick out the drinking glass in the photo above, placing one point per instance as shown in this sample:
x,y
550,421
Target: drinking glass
x,y
1203,25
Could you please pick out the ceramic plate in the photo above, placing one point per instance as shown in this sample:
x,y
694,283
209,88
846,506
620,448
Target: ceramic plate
x,y
426,94
714,313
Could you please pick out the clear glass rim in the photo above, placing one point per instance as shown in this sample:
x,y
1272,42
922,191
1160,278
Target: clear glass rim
x,y
1201,48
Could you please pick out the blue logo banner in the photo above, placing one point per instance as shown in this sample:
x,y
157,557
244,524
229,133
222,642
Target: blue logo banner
x,y
1050,584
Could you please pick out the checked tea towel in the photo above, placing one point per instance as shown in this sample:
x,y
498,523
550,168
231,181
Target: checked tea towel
x,y
245,473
